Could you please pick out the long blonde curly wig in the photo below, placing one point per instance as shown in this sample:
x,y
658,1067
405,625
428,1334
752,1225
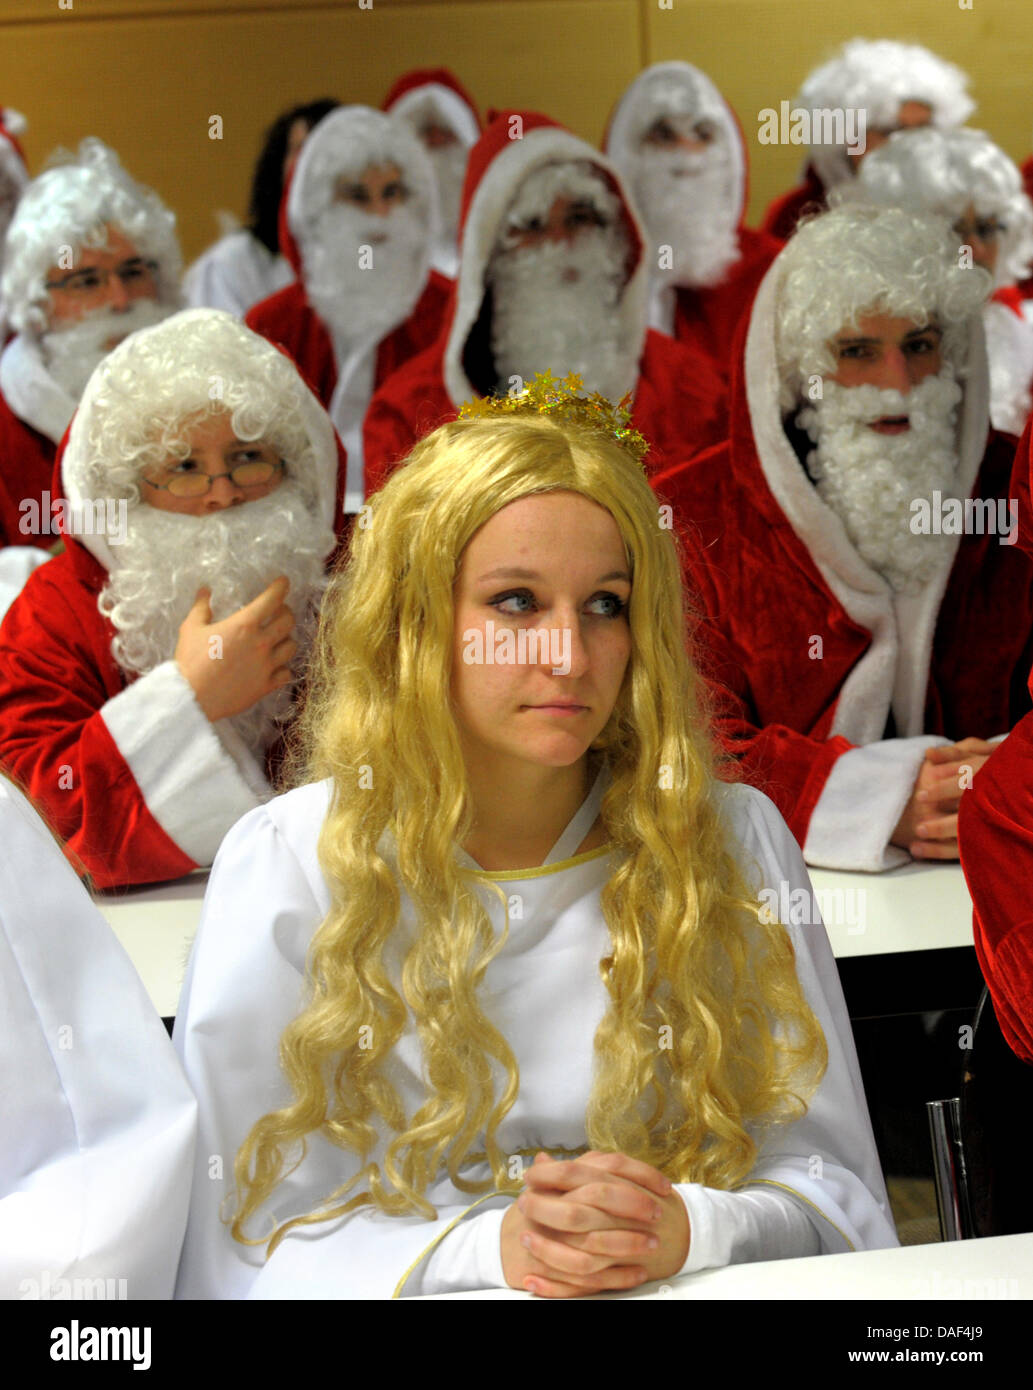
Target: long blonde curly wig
x,y
690,953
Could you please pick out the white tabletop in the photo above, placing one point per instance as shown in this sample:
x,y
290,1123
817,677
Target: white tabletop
x,y
1000,1267
919,907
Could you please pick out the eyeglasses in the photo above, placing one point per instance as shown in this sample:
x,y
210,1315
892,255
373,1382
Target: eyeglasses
x,y
245,475
92,279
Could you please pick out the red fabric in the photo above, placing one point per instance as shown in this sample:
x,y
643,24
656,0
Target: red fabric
x,y
56,672
708,318
785,212
995,834
26,468
424,77
1026,170
679,406
1011,297
762,600
287,319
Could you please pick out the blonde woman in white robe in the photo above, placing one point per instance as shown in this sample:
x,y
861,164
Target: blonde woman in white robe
x,y
491,1000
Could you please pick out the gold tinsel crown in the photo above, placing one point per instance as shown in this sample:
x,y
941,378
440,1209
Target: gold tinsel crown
x,y
548,395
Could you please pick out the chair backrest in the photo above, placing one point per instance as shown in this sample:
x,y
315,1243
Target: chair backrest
x,y
996,1129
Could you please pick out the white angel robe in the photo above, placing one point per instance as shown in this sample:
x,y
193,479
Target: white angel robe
x,y
98,1122
817,1185
235,273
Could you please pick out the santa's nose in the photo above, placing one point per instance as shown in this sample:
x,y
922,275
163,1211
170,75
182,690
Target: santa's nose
x,y
118,296
895,372
221,494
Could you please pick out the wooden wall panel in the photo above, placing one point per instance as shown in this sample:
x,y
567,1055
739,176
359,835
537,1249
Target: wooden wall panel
x,y
148,84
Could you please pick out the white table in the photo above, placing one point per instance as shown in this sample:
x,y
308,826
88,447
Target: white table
x,y
1000,1267
157,925
918,907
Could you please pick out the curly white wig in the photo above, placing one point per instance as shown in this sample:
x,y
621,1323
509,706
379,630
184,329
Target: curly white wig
x,y
72,204
348,141
877,76
857,260
946,171
147,394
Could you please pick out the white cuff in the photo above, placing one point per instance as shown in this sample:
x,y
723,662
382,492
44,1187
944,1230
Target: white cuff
x,y
191,785
861,803
16,564
735,1227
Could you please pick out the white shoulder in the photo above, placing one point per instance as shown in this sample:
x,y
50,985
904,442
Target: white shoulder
x,y
758,836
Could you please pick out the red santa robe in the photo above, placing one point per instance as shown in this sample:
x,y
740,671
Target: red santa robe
x,y
1026,170
128,770
814,659
457,109
345,387
785,211
705,317
679,397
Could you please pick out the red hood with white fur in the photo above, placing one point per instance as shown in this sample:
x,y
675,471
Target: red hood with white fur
x,y
499,163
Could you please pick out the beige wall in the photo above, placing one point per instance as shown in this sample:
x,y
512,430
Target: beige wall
x,y
147,75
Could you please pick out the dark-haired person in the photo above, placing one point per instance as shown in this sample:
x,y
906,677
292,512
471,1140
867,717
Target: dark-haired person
x,y
246,265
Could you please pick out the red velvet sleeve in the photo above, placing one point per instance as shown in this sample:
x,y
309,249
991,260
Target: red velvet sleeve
x,y
55,743
995,833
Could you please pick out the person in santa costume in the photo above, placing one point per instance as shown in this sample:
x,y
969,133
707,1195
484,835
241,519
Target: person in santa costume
x,y
444,116
245,266
963,176
146,671
897,86
14,177
91,256
679,147
851,632
360,212
553,277
99,1121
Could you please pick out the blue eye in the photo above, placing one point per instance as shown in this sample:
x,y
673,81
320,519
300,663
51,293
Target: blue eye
x,y
616,607
517,596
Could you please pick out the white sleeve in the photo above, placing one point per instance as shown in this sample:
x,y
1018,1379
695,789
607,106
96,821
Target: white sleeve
x,y
826,1163
194,782
245,983
207,286
861,803
98,1120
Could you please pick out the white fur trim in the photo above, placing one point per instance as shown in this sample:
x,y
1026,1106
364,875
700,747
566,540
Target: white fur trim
x,y
356,377
30,390
193,787
451,105
861,803
620,141
894,672
1009,346
538,147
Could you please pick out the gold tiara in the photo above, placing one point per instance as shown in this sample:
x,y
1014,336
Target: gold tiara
x,y
548,395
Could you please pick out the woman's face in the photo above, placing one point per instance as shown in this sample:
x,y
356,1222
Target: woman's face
x,y
541,631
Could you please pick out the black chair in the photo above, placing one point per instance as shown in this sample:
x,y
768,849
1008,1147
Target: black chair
x,y
981,1139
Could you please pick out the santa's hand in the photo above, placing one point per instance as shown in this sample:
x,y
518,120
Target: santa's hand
x,y
232,664
602,1221
928,828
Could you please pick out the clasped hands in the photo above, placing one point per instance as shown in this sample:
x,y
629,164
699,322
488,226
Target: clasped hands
x,y
596,1222
928,827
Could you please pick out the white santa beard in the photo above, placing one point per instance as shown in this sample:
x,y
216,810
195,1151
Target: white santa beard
x,y
870,479
543,322
237,553
362,294
688,204
449,164
72,351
